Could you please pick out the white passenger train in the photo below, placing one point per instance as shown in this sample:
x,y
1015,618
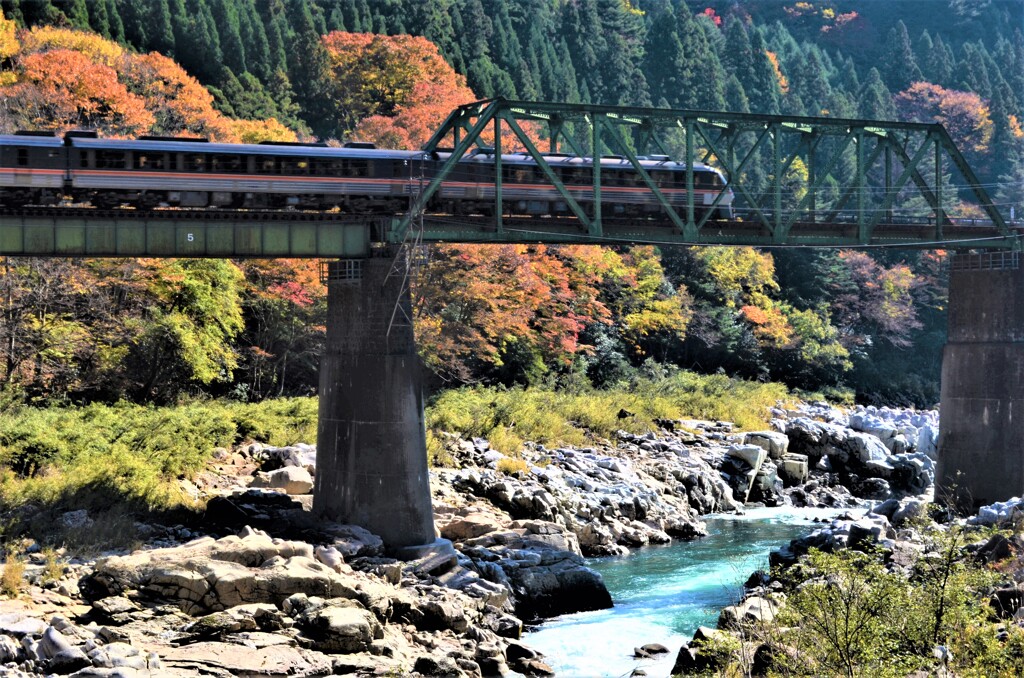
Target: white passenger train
x,y
155,172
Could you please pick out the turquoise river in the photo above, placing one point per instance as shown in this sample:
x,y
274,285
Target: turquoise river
x,y
663,593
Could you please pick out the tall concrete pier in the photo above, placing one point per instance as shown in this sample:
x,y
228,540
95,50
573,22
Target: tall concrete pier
x,y
981,427
371,450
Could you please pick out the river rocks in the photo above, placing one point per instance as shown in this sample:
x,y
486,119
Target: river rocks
x,y
290,479
253,605
752,609
341,626
776,444
874,463
607,502
999,512
793,469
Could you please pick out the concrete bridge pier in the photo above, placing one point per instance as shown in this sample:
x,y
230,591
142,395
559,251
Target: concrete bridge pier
x,y
371,449
981,426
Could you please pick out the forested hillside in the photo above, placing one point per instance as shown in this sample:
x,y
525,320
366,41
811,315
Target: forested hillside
x,y
253,69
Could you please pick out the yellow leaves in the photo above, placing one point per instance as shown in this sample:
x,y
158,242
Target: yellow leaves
x,y
1015,127
774,59
738,272
9,45
97,49
255,131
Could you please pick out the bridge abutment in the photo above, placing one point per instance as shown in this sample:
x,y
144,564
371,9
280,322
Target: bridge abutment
x,y
981,427
371,449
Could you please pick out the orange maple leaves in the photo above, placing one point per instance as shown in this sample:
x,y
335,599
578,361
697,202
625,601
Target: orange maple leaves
x,y
64,79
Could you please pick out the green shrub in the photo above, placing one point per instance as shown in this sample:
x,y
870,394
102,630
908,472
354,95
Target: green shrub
x,y
506,417
120,460
12,581
510,465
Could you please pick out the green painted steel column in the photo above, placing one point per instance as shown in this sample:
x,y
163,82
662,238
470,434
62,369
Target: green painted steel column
x,y
596,227
777,172
691,221
812,178
862,231
940,216
499,219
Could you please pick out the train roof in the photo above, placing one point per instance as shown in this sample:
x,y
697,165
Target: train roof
x,y
563,159
186,146
44,141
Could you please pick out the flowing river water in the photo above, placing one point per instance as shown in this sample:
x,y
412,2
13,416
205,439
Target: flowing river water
x,y
662,594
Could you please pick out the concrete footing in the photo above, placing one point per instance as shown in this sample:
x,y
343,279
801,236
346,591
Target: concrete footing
x,y
371,449
981,426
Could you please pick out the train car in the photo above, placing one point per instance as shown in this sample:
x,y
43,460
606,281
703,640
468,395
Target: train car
x,y
527,190
32,169
173,172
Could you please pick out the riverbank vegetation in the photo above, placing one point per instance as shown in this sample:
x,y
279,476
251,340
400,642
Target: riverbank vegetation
x,y
942,602
133,458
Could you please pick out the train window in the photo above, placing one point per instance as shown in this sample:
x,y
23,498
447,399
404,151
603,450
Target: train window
x,y
520,175
83,158
172,162
195,162
23,157
149,161
327,167
226,163
110,160
358,168
266,164
619,178
400,170
294,166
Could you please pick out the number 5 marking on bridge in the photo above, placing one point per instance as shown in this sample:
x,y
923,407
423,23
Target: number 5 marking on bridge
x,y
191,237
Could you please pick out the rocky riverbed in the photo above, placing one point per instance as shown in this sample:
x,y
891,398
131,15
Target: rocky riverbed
x,y
259,588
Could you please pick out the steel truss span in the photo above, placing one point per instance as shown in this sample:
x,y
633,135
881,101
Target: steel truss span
x,y
502,171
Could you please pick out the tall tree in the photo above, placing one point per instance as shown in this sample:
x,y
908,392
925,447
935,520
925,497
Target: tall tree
x,y
765,92
309,71
900,64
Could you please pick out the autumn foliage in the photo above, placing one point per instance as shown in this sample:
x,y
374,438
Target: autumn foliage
x,y
965,115
64,79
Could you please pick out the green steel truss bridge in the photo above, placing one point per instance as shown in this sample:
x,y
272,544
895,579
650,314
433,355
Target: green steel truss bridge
x,y
892,165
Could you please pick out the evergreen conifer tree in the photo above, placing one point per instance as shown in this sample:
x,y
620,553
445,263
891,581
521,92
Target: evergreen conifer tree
x,y
764,92
874,100
899,62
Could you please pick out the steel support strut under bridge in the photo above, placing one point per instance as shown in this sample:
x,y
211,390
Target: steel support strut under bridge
x,y
370,439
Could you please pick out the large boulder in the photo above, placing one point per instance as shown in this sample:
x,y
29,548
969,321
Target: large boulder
x,y
776,444
341,627
290,479
548,583
208,575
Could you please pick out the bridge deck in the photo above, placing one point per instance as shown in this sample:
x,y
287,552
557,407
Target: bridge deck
x,y
65,231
